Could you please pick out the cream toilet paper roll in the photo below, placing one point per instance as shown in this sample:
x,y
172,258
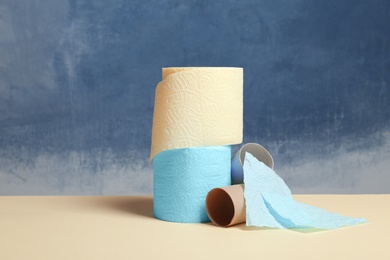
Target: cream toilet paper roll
x,y
197,107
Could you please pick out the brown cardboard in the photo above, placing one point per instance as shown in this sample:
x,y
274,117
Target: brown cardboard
x,y
226,206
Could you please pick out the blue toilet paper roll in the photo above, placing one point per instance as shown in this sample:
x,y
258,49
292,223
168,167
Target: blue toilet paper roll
x,y
183,177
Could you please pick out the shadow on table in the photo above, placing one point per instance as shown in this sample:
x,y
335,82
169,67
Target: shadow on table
x,y
142,206
299,230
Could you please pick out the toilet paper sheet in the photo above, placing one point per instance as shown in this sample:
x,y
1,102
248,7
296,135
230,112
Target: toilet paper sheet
x,y
269,202
197,107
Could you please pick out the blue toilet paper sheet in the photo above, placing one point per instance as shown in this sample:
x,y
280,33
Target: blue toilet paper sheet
x,y
269,203
183,177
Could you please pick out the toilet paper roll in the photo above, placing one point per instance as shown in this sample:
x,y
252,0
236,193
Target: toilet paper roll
x,y
258,151
226,206
182,179
197,107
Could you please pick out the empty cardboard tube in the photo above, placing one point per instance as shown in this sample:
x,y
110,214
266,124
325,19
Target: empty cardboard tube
x,y
226,206
258,151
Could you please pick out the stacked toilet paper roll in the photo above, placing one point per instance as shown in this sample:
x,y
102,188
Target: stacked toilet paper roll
x,y
198,114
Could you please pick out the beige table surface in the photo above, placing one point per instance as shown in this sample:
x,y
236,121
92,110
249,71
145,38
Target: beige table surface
x,y
124,228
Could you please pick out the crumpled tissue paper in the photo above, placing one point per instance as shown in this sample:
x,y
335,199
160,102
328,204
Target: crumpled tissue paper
x,y
269,203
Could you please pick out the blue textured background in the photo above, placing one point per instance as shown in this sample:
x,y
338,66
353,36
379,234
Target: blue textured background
x,y
77,82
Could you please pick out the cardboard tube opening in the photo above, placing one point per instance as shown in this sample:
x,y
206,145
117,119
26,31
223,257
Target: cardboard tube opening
x,y
220,207
259,152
